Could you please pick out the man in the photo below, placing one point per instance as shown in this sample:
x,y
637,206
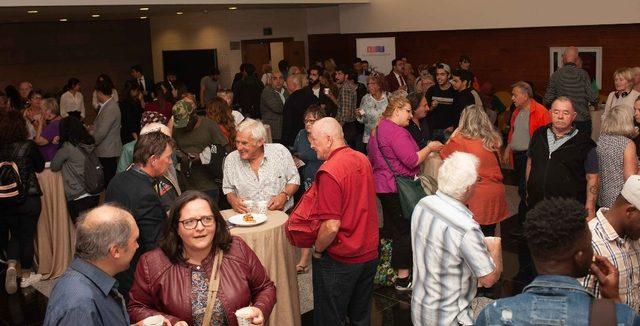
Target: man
x,y
300,99
272,103
562,162
209,86
87,293
360,72
450,257
146,84
249,91
345,254
614,235
171,79
464,63
440,98
560,242
418,126
259,171
139,191
347,97
461,82
395,79
574,83
24,88
106,129
365,67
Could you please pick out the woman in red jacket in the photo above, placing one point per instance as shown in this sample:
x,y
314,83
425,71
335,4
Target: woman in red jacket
x,y
173,280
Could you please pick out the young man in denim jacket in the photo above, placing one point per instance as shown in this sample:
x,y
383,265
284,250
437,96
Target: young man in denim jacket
x,y
560,243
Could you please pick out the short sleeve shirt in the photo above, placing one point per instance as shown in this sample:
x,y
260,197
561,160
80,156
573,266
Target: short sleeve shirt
x,y
210,88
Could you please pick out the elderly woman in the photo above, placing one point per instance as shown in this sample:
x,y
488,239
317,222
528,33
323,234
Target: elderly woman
x,y
617,158
476,135
20,214
392,151
174,279
624,94
424,81
48,129
372,105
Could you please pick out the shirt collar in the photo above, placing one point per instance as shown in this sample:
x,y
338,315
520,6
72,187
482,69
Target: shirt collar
x,y
608,230
453,202
101,279
339,149
556,281
571,133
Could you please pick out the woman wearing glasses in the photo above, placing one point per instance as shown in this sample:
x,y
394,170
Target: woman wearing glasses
x,y
174,280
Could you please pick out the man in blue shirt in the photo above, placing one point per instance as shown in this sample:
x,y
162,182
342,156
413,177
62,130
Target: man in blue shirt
x,y
560,243
87,293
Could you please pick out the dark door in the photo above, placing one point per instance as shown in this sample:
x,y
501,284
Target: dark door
x,y
190,66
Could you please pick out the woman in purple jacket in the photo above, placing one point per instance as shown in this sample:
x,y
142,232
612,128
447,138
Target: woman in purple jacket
x,y
392,141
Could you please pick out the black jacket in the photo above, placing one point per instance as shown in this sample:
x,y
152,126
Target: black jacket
x,y
561,174
293,114
29,161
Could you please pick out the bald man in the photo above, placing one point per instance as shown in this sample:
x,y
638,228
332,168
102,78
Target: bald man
x,y
345,253
293,113
574,83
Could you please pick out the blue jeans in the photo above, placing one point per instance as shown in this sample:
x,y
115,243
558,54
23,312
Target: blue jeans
x,y
342,290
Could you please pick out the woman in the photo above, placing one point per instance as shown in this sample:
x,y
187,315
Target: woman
x,y
162,101
372,105
617,158
33,113
219,111
419,126
424,82
624,93
409,75
391,142
266,75
131,106
227,96
48,129
72,102
476,135
20,218
74,139
114,92
173,279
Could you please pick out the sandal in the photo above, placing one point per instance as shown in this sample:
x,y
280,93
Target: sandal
x,y
300,269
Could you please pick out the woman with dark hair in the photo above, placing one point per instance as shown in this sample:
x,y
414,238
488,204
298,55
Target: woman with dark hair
x,y
20,215
72,102
14,96
220,112
174,279
114,92
131,106
74,140
162,100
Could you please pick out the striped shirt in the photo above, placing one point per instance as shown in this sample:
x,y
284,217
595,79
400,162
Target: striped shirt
x,y
624,254
574,83
449,255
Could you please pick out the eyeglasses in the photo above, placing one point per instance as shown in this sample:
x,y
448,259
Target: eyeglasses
x,y
192,223
309,121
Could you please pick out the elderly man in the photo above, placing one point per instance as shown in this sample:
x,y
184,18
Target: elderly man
x,y
300,99
272,103
562,162
346,248
450,257
614,234
141,191
259,171
574,83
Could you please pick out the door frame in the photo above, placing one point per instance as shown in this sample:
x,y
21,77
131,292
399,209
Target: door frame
x,y
244,43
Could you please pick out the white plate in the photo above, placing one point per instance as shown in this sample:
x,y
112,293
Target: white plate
x,y
238,219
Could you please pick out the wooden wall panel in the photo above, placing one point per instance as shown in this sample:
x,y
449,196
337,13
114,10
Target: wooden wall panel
x,y
501,56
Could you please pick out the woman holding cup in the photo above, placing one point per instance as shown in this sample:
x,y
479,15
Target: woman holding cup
x,y
200,274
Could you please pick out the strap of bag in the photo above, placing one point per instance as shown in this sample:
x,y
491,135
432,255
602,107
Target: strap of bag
x,y
214,284
384,157
602,313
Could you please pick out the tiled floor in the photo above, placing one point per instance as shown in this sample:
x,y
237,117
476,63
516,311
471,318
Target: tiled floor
x,y
28,306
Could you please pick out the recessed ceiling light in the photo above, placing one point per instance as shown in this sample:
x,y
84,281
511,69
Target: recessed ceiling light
x,y
143,17
233,8
63,19
144,8
179,12
95,15
32,12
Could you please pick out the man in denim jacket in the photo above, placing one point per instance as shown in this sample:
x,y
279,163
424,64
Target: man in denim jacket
x,y
560,244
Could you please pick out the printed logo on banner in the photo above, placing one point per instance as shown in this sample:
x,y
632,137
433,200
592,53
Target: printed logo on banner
x,y
375,49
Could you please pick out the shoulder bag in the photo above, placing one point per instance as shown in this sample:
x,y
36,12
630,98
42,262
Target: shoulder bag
x,y
214,284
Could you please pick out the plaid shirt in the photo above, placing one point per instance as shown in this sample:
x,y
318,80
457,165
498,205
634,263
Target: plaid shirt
x,y
624,254
347,102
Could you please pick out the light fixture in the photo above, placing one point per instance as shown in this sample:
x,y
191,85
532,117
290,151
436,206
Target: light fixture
x,y
95,15
143,17
233,8
63,19
144,9
179,12
32,12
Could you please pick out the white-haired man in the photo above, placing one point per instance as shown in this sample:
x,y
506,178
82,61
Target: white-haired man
x,y
259,171
450,257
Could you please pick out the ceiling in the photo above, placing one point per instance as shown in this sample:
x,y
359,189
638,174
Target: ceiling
x,y
84,13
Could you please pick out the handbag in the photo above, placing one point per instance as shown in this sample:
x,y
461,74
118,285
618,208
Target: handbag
x,y
300,228
410,190
214,284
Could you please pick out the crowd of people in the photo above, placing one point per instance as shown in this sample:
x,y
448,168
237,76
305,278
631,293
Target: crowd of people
x,y
344,150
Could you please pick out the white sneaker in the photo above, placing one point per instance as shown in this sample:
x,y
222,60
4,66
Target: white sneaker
x,y
31,280
10,282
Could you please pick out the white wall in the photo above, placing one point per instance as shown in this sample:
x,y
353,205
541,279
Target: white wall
x,y
323,20
217,28
423,15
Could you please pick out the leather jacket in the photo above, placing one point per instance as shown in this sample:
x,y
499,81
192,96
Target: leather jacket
x,y
161,287
29,161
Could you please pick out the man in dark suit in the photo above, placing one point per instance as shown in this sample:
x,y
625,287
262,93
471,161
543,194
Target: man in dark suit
x,y
293,114
272,103
146,84
106,129
395,80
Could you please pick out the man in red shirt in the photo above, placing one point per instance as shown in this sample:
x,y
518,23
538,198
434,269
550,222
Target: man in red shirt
x,y
345,254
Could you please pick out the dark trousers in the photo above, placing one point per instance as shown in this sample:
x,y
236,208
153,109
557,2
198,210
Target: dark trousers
x,y
109,166
583,126
398,229
527,271
342,291
78,206
21,221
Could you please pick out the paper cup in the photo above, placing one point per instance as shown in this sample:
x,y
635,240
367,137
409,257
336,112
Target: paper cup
x,y
156,320
244,316
261,206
